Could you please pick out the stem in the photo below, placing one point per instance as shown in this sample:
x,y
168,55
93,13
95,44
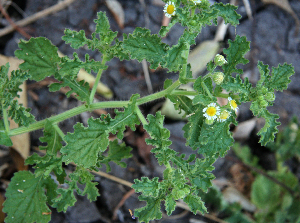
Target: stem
x,y
99,74
5,119
58,130
140,115
83,108
206,89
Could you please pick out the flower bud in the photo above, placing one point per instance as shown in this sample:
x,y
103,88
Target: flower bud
x,y
263,103
209,121
219,60
218,78
270,96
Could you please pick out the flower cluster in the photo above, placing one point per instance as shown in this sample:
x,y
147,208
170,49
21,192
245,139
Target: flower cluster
x,y
213,111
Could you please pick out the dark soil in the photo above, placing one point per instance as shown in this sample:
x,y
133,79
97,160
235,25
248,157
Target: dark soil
x,y
274,40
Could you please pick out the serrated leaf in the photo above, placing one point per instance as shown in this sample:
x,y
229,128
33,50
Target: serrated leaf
x,y
193,127
102,23
72,67
202,84
4,138
81,88
50,187
280,77
215,139
267,133
40,57
148,187
143,45
65,199
52,138
85,143
228,13
20,114
26,199
151,211
182,103
77,39
170,204
201,99
116,153
235,55
195,204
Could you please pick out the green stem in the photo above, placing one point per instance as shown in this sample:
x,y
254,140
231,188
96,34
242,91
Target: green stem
x,y
83,108
58,130
206,89
99,74
140,115
5,119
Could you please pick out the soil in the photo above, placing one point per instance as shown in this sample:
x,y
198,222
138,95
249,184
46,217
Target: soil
x,y
274,39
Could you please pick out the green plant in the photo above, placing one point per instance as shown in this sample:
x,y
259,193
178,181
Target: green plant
x,y
207,128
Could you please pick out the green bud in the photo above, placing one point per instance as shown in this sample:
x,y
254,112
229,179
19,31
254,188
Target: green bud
x,y
270,96
218,78
263,103
261,98
264,90
219,60
209,121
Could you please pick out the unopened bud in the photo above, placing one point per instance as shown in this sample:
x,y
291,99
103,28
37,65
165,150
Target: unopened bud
x,y
209,121
218,78
270,96
263,103
219,60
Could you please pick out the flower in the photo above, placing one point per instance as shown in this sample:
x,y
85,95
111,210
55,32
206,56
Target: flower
x,y
196,1
223,116
211,111
233,104
170,9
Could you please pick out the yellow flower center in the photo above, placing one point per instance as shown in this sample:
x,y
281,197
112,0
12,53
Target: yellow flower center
x,y
211,111
170,9
233,104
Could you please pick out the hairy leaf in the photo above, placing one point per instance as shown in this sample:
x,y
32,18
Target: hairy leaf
x,y
151,211
40,57
148,187
195,204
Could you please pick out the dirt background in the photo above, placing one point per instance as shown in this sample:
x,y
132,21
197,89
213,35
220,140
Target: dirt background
x,y
274,39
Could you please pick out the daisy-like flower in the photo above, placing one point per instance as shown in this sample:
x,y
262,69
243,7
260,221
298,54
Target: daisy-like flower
x,y
211,111
233,104
223,116
196,1
170,9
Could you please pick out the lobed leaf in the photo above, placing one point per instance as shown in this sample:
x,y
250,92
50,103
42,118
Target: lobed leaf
x,y
148,187
195,204
149,212
228,13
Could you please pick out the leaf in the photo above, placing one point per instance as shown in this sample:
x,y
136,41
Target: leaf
x,y
52,138
20,114
81,88
77,39
40,57
151,211
170,204
26,199
201,99
142,45
116,153
148,187
280,77
235,55
65,199
215,139
267,133
228,13
195,204
84,145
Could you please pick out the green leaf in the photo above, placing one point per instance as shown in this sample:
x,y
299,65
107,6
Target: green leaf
x,y
66,198
215,139
50,187
81,88
4,138
142,45
40,57
170,204
148,187
26,199
201,99
228,13
195,204
202,85
151,211
235,55
20,114
116,153
280,77
72,67
84,145
52,138
77,39
102,23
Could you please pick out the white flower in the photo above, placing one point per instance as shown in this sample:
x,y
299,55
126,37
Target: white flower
x,y
170,9
233,104
196,1
223,116
211,111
